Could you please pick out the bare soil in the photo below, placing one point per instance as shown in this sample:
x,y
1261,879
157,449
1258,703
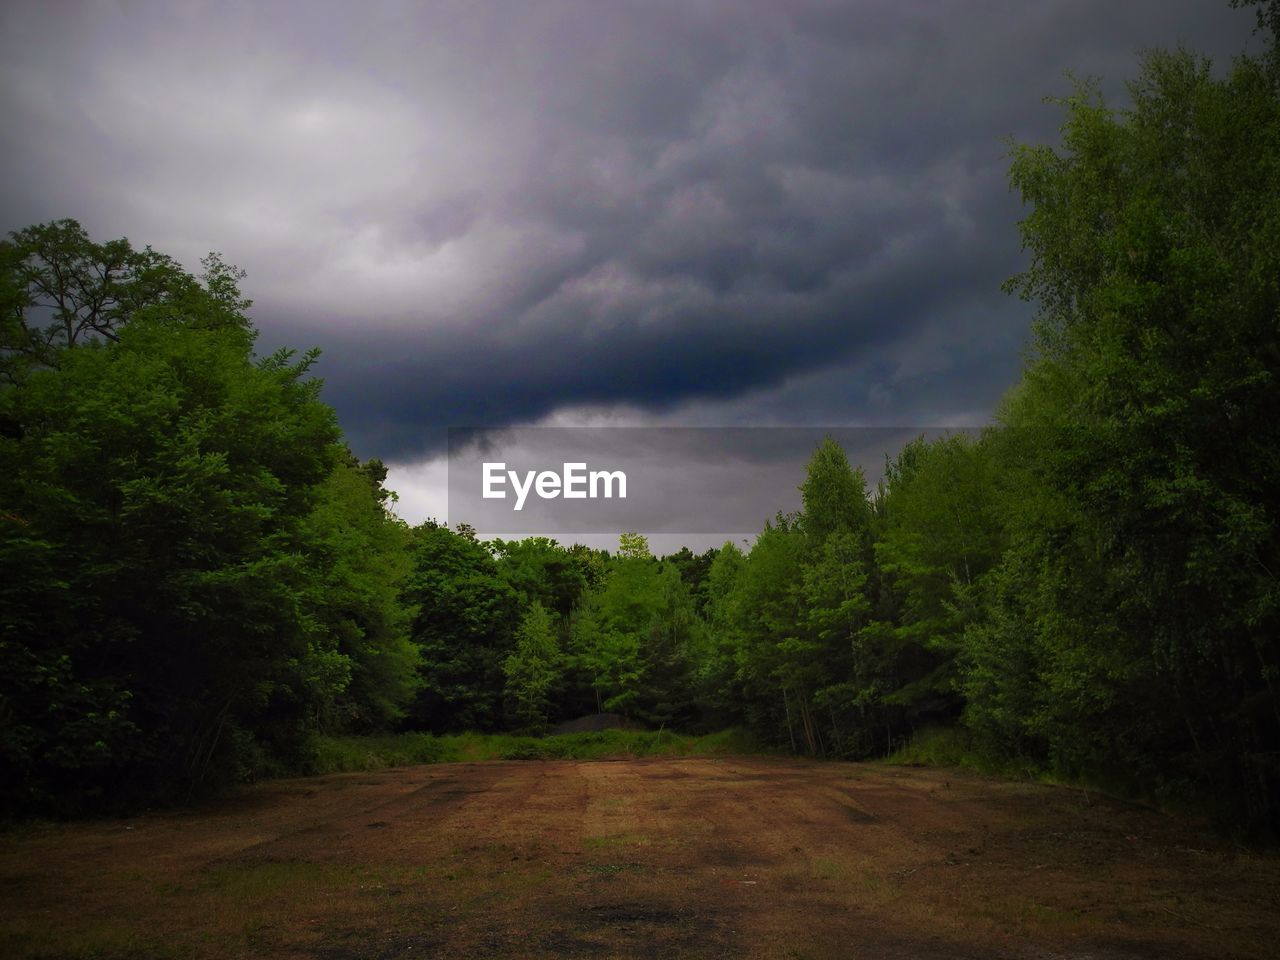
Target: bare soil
x,y
741,857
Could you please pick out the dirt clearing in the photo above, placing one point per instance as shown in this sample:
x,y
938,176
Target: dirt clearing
x,y
740,857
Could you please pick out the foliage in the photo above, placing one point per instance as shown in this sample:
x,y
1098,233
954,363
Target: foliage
x,y
633,636
464,624
1137,601
59,290
693,569
541,571
358,556
352,754
200,582
533,668
194,575
155,602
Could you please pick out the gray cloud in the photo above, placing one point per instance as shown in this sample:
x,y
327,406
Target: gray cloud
x,y
489,212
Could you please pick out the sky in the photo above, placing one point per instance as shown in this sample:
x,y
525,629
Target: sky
x,y
603,212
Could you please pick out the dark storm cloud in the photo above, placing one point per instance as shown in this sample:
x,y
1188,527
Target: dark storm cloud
x,y
489,212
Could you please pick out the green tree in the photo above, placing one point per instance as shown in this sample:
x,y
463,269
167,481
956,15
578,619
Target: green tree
x,y
634,546
633,635
766,607
542,571
717,678
59,289
464,622
533,668
822,661
834,495
831,657
939,533
605,650
155,626
1154,236
358,558
693,569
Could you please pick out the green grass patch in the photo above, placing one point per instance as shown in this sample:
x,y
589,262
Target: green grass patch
x,y
607,841
351,754
354,754
939,747
956,747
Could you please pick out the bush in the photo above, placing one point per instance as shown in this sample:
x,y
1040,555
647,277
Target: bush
x,y
352,754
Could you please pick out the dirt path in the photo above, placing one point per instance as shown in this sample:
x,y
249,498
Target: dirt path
x,y
643,858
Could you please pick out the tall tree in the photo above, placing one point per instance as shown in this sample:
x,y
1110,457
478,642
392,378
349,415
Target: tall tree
x,y
1154,235
939,534
358,558
542,571
633,636
155,632
464,622
533,668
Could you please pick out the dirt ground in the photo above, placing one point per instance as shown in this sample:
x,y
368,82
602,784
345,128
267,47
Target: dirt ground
x,y
739,857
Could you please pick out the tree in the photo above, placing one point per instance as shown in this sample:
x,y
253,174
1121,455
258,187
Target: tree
x,y
196,575
766,609
1268,14
634,546
358,558
831,669
155,633
834,495
632,637
542,571
939,533
464,624
693,569
1154,236
831,659
716,665
533,668
59,290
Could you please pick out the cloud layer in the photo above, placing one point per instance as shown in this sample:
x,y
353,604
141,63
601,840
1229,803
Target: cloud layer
x,y
492,213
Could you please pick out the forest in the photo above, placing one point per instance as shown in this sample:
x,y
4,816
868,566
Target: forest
x,y
200,578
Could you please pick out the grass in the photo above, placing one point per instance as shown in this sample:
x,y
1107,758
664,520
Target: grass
x,y
955,747
938,747
353,754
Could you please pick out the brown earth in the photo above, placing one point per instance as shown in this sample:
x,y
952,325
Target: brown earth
x,y
742,857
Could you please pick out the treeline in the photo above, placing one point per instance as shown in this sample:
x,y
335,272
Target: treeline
x,y
198,576
1089,588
